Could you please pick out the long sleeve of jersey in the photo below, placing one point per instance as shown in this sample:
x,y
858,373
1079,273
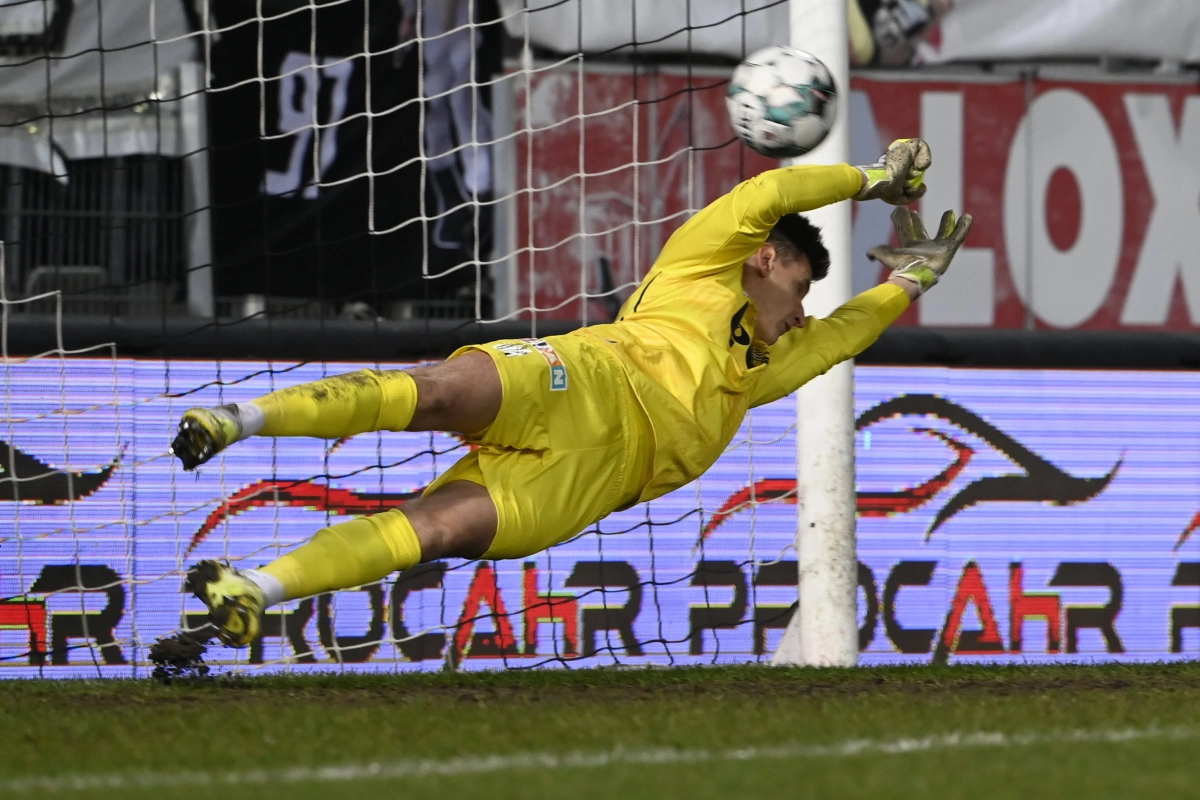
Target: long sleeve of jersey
x,y
728,230
804,353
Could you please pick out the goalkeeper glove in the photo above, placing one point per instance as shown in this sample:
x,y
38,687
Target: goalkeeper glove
x,y
918,258
898,177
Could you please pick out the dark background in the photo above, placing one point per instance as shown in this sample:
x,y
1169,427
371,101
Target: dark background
x,y
292,247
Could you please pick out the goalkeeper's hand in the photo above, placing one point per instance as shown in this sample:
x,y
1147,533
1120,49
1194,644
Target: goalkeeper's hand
x,y
918,258
898,177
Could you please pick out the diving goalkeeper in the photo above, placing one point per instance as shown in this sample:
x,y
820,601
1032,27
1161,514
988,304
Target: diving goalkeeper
x,y
571,428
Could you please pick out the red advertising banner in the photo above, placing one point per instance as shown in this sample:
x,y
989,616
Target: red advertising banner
x,y
1084,191
607,164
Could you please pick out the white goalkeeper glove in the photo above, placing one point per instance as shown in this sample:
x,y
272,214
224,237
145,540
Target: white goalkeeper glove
x,y
918,258
898,177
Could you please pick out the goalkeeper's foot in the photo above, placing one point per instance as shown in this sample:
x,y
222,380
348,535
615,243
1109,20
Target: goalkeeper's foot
x,y
204,432
235,603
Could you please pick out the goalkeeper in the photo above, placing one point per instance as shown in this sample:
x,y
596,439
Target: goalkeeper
x,y
571,428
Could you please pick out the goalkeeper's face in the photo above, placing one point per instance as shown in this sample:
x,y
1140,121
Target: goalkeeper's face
x,y
777,285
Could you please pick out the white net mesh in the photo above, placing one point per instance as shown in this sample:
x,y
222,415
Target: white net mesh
x,y
394,174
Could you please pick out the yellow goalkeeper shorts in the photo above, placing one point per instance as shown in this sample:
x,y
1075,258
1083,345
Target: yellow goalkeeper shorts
x,y
570,444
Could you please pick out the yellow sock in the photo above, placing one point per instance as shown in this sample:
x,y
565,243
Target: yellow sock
x,y
343,405
354,553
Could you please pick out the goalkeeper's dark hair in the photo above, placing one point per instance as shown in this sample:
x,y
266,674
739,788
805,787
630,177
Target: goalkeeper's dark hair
x,y
793,235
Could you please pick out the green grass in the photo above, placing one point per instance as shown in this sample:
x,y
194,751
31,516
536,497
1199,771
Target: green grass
x,y
88,727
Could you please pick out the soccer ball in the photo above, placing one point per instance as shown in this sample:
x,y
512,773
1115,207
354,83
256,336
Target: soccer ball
x,y
782,102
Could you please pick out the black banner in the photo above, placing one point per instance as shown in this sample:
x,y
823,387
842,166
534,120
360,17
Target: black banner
x,y
310,137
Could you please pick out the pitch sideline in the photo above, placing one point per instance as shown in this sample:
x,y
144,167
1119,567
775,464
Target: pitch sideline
x,y
468,765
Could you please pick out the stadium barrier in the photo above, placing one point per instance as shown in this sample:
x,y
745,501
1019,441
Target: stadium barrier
x,y
412,340
1033,514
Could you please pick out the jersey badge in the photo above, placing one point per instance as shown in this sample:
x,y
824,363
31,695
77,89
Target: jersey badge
x,y
558,370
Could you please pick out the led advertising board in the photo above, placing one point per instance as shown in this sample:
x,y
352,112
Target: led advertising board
x,y
1004,515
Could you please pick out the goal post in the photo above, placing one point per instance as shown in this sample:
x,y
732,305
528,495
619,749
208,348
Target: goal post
x,y
824,631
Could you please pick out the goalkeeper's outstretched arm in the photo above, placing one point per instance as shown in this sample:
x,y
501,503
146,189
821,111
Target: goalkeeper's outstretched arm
x,y
726,232
806,352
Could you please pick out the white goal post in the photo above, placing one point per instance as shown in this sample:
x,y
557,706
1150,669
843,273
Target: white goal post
x,y
824,629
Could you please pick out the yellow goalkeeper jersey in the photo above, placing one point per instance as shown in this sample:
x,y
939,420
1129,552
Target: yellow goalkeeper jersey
x,y
686,339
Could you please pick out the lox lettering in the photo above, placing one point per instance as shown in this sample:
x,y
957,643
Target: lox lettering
x,y
1172,163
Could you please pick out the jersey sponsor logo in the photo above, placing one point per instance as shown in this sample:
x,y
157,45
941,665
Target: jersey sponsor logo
x,y
558,370
512,349
737,332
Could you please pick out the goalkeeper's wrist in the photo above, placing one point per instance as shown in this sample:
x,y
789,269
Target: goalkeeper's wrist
x,y
866,184
911,286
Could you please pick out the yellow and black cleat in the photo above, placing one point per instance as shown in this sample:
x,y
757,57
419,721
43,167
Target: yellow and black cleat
x,y
203,433
235,604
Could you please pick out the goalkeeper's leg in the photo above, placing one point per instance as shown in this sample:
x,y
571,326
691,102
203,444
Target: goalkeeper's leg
x,y
550,463
457,520
462,394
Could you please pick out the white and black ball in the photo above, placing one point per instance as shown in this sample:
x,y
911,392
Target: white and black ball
x,y
782,102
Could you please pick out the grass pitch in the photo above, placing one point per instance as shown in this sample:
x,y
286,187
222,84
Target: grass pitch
x,y
978,732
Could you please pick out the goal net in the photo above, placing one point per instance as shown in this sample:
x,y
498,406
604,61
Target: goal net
x,y
207,201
